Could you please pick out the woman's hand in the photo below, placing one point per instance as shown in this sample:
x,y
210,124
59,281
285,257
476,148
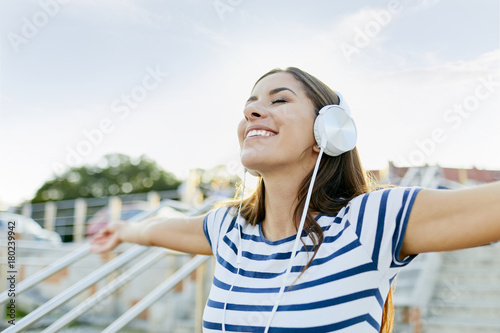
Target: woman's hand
x,y
107,238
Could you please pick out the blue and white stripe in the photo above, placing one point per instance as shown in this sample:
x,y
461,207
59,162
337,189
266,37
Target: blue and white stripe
x,y
343,290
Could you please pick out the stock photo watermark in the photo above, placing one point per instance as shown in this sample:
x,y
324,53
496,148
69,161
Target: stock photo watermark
x,y
453,117
365,35
31,26
225,6
11,272
448,296
121,107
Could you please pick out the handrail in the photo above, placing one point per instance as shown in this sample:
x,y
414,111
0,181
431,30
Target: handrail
x,y
48,271
409,176
124,278
67,260
85,283
74,290
428,177
156,294
37,245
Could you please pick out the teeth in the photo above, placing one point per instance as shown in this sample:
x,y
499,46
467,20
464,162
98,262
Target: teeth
x,y
259,133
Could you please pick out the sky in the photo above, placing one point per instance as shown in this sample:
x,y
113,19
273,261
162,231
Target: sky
x,y
84,78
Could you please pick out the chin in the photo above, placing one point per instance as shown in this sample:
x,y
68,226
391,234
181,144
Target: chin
x,y
251,157
251,164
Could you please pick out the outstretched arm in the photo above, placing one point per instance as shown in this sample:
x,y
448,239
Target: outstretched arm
x,y
443,220
183,234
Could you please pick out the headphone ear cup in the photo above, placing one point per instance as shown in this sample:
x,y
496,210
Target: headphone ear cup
x,y
334,125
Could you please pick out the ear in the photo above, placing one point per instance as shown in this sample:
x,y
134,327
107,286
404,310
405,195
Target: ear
x,y
317,148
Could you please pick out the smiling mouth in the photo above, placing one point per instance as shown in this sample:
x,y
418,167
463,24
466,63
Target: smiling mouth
x,y
259,133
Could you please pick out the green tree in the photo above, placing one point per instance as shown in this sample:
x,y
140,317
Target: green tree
x,y
115,174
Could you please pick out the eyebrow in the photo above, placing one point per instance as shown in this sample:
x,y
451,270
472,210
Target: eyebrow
x,y
272,92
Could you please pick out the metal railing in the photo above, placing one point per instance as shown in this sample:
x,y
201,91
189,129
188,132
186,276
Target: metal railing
x,y
47,272
76,289
154,255
110,288
64,262
155,295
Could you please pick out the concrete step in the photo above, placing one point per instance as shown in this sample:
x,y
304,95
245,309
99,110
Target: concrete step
x,y
466,297
470,267
402,328
465,277
454,325
464,310
479,271
467,292
489,254
473,263
185,326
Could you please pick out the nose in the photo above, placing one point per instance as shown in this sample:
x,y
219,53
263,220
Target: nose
x,y
252,111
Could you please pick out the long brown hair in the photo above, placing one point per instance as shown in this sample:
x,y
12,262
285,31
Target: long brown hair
x,y
338,181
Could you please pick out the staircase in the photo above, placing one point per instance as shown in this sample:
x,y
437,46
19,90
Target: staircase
x,y
96,297
466,298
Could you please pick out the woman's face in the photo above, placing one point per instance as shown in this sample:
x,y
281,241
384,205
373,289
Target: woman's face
x,y
276,133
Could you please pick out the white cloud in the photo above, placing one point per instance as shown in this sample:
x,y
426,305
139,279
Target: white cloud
x,y
412,103
418,5
125,11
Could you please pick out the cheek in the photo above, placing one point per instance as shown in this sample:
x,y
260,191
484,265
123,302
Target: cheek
x,y
303,130
241,130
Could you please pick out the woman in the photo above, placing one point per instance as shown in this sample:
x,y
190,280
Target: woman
x,y
355,240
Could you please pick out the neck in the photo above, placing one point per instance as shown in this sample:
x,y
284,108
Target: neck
x,y
281,201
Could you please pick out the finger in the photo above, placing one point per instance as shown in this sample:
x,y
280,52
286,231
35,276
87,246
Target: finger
x,y
99,238
100,248
99,241
104,245
101,232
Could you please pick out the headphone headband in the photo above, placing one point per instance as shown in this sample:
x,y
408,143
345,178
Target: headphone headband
x,y
342,103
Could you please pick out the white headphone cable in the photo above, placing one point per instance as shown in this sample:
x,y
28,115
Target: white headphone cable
x,y
298,237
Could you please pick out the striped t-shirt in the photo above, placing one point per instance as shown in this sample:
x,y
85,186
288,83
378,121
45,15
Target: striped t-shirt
x,y
343,290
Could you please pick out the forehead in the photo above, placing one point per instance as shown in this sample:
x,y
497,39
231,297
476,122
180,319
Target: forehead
x,y
277,80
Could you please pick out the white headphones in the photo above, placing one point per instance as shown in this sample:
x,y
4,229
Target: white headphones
x,y
334,129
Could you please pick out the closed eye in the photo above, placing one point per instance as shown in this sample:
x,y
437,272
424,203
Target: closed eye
x,y
278,101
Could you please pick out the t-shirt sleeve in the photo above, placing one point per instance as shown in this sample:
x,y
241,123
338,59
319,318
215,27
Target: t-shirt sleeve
x,y
380,219
212,225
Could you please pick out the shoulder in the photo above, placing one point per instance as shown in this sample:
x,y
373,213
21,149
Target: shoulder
x,y
220,215
383,206
217,222
381,196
